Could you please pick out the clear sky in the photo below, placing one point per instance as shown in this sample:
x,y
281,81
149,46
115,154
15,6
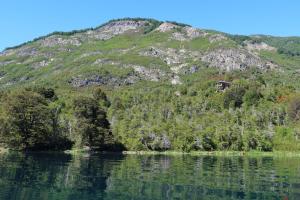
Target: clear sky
x,y
23,20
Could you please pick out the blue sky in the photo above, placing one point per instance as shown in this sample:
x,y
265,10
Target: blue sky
x,y
23,20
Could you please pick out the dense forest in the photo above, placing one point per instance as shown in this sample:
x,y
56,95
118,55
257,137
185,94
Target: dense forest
x,y
248,110
143,84
33,119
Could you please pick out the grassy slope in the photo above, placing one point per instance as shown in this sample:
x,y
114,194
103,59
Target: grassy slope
x,y
67,65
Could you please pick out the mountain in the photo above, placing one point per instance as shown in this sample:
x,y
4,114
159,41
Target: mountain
x,y
169,78
123,52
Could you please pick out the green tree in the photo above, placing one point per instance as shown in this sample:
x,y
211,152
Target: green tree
x,y
92,127
234,97
294,108
101,97
48,93
27,121
252,97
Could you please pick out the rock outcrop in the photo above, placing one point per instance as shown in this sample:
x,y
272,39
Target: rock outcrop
x,y
149,74
171,56
108,80
56,40
188,33
216,38
232,59
42,63
166,27
258,46
116,28
4,63
139,73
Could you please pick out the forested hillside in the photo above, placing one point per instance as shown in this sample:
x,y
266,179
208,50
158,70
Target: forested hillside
x,y
142,84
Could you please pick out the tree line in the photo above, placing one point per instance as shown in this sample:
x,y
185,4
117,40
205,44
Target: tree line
x,y
255,112
32,119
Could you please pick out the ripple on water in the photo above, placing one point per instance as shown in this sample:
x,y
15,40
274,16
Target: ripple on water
x,y
116,176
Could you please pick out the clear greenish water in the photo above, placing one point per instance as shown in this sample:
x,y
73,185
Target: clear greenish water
x,y
59,176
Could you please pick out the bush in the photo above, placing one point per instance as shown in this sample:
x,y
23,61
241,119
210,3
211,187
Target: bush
x,y
285,140
252,97
294,108
233,97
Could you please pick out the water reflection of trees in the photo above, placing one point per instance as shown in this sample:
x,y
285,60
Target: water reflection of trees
x,y
54,176
60,176
187,177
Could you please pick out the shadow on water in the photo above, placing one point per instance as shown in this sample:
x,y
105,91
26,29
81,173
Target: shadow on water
x,y
114,176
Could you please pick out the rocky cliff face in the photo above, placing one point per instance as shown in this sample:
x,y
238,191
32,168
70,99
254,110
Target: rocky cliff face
x,y
232,59
181,33
124,52
116,28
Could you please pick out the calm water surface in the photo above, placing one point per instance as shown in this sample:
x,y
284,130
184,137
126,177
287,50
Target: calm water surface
x,y
59,176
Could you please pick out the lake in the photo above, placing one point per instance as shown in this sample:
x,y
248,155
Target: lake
x,y
42,176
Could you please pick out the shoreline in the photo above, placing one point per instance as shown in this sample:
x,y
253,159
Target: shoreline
x,y
196,153
175,153
218,153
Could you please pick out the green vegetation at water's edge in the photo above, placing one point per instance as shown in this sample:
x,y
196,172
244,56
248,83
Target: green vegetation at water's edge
x,y
280,154
33,120
255,113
